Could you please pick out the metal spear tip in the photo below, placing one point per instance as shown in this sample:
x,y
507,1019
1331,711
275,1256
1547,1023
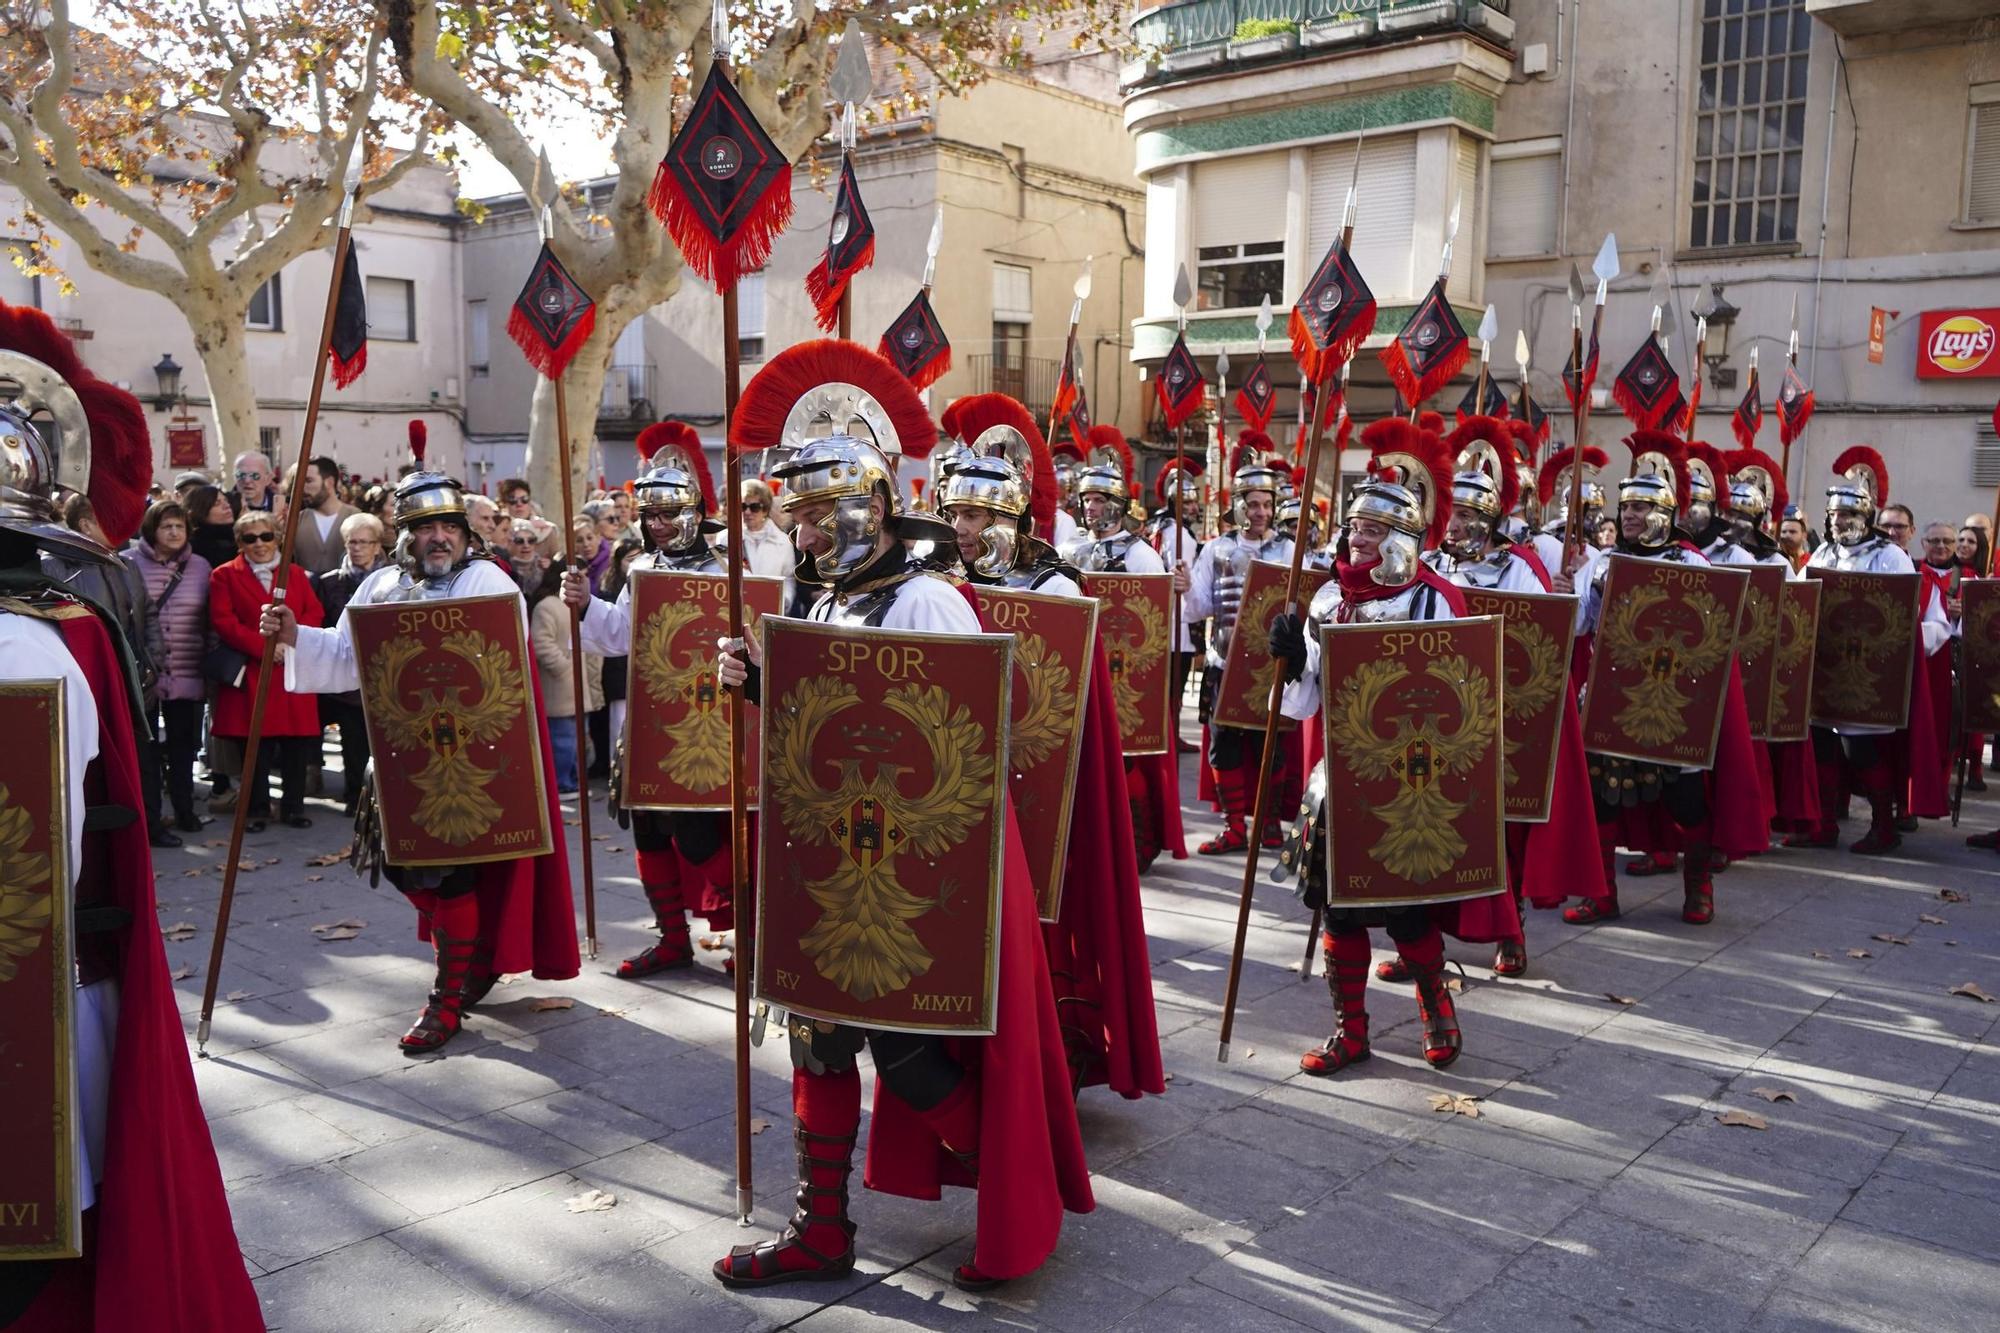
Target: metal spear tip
x,y
1753,356
1222,365
852,80
936,241
1264,316
1701,328
1489,325
1183,289
1575,285
1521,349
1451,228
1605,266
1669,324
1082,287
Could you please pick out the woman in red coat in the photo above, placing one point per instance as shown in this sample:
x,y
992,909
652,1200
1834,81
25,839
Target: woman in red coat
x,y
237,594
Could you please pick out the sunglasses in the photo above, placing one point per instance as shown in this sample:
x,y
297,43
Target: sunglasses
x,y
753,509
256,538
519,500
524,541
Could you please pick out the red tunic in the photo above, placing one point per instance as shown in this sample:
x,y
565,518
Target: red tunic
x,y
162,1254
235,601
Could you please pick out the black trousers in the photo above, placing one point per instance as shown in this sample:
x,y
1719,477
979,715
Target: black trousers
x,y
294,754
177,727
346,715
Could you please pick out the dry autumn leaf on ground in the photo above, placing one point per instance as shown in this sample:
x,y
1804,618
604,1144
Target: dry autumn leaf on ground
x,y
1859,953
592,1201
1775,1094
1926,919
1743,1119
1973,990
1890,939
1455,1103
182,973
180,930
545,1003
1953,896
1619,999
330,859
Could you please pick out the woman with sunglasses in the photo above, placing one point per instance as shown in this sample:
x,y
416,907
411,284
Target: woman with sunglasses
x,y
238,593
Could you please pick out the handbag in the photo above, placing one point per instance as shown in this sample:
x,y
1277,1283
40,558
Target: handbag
x,y
225,665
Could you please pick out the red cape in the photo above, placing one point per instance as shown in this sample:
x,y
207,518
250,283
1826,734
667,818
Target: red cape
x,y
1794,782
525,903
163,1254
1155,780
1030,1148
1097,945
1917,753
1559,857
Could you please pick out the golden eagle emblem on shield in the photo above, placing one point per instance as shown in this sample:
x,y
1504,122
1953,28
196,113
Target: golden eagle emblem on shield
x,y
1130,656
864,941
455,806
699,750
1655,710
1419,839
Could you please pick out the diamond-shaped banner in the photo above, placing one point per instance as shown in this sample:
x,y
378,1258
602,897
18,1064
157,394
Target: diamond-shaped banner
x,y
850,247
1181,389
1794,407
1648,390
1258,398
915,343
1429,351
552,317
1332,316
723,190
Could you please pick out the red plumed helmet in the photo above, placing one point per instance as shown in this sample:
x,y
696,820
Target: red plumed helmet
x,y
1558,463
1431,421
768,399
1860,458
1394,442
662,433
1193,467
1706,454
1648,446
1252,448
1742,460
121,448
971,417
1524,439
420,439
1492,432
1112,440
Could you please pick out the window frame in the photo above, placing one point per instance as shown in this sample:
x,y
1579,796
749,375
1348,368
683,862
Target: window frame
x,y
1980,96
1727,72
375,333
478,369
1519,150
1268,254
275,306
751,344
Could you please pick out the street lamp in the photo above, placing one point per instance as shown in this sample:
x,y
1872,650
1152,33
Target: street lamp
x,y
168,372
1721,315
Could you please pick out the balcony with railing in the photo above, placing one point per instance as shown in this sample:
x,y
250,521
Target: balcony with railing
x,y
628,394
1028,380
1196,36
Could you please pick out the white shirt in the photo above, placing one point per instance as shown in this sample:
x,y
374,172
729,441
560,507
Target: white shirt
x,y
1176,544
926,603
1066,530
323,661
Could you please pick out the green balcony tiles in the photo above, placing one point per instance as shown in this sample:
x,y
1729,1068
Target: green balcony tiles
x,y
1151,339
1416,105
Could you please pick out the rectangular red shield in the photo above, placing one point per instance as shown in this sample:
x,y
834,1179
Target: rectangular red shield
x,y
1415,765
39,1213
1864,655
1540,627
1660,665
1053,639
879,858
1792,672
1757,643
451,724
1133,619
1245,690
676,716
1979,660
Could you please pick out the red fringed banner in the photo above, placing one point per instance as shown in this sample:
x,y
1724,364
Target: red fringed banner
x,y
915,343
850,247
552,317
1430,350
1331,318
350,326
1794,407
722,190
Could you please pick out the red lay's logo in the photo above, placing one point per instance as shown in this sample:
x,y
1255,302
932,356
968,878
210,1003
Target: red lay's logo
x,y
1958,343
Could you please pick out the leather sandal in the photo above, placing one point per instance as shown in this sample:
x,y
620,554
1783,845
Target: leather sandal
x,y
1592,910
1510,958
1335,1054
1231,839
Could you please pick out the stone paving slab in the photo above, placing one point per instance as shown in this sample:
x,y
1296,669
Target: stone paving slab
x,y
1596,1189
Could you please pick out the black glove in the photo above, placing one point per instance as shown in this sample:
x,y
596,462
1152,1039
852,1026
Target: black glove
x,y
1288,645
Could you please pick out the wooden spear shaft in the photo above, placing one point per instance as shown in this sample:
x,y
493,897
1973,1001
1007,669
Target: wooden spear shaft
x,y
577,682
739,820
1259,811
1579,416
267,664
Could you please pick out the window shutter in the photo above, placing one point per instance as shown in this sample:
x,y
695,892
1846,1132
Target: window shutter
x,y
1465,187
1013,294
1525,197
1385,212
389,309
1240,200
750,305
1982,195
1985,457
478,337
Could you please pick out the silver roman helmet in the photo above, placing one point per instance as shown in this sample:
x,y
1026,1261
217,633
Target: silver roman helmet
x,y
1654,481
44,444
1852,502
1107,472
841,419
426,494
676,483
1707,484
1255,469
1409,477
996,472
1756,495
1484,484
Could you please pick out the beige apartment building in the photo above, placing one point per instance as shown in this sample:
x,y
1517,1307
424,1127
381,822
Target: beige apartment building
x,y
408,255
1845,153
1032,170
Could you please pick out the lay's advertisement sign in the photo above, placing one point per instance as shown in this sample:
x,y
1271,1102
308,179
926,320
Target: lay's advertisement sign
x,y
1959,344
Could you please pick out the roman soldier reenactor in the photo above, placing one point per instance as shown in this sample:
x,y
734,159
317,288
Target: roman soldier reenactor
x,y
1178,544
994,1113
1871,761
1214,589
157,1250
1104,489
1552,487
1550,859
999,498
1068,457
683,856
1392,518
483,920
1649,806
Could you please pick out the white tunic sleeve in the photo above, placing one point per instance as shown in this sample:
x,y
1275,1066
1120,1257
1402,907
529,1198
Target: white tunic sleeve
x,y
607,626
1198,603
932,606
323,661
1143,559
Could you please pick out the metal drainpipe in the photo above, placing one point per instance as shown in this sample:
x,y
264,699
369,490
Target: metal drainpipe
x,y
1569,118
1825,207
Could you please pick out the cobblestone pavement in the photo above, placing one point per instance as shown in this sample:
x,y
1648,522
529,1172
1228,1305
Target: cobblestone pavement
x,y
1597,1188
